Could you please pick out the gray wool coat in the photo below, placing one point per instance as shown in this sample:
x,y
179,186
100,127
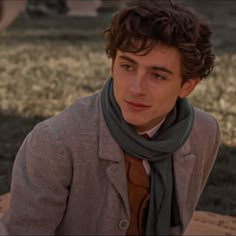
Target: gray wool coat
x,y
69,175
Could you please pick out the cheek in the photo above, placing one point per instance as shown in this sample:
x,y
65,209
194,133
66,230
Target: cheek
x,y
118,88
120,83
165,97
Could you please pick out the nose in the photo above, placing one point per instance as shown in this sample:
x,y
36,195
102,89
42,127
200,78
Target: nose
x,y
137,85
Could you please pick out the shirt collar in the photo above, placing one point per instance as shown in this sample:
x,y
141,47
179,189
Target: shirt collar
x,y
153,130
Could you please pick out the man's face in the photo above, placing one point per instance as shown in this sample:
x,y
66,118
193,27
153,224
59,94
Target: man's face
x,y
146,87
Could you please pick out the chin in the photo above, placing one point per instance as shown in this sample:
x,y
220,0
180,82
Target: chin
x,y
133,121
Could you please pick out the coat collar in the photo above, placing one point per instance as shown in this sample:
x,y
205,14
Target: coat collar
x,y
109,150
184,161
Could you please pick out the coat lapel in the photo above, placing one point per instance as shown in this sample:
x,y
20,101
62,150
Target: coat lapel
x,y
184,162
116,172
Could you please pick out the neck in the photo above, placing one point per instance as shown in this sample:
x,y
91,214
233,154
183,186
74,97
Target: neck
x,y
153,130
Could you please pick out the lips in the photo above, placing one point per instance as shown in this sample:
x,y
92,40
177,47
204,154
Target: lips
x,y
136,106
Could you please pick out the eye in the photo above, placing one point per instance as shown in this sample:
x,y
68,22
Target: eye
x,y
127,67
158,76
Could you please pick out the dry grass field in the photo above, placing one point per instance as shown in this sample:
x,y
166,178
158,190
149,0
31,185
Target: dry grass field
x,y
47,63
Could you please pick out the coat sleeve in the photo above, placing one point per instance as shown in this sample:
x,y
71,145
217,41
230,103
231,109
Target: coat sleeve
x,y
41,178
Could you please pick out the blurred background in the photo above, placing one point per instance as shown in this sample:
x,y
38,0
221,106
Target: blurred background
x,y
52,53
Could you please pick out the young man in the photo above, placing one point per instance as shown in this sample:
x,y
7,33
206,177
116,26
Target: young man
x,y
90,170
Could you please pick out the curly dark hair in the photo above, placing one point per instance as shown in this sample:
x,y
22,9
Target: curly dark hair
x,y
142,24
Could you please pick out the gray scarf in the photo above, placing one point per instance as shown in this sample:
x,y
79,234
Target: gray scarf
x,y
158,151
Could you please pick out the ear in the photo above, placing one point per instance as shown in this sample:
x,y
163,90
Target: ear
x,y
188,87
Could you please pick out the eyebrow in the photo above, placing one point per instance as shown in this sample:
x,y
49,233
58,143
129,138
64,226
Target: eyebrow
x,y
161,68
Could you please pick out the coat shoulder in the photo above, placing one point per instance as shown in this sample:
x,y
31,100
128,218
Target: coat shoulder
x,y
205,122
78,117
205,135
